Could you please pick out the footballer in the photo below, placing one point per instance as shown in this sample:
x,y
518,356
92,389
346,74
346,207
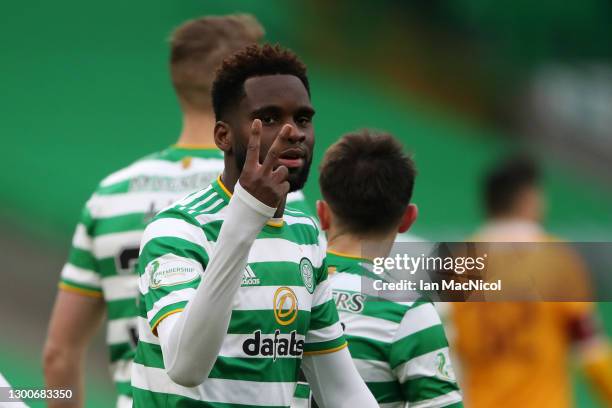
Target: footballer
x,y
234,288
400,349
100,276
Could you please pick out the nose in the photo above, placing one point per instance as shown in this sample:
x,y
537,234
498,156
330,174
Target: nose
x,y
296,135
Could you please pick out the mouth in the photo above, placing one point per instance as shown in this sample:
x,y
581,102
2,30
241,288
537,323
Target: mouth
x,y
292,158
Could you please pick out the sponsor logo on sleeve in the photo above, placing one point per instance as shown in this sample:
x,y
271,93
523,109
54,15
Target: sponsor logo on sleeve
x,y
170,270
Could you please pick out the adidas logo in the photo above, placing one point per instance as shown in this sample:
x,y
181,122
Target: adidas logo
x,y
249,278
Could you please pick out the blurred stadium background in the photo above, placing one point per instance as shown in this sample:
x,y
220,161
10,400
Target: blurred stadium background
x,y
86,91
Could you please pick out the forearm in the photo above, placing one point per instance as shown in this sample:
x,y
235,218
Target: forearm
x,y
335,382
191,341
63,369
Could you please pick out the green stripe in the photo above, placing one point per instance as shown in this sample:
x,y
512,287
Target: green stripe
x,y
325,345
80,285
368,349
164,310
323,315
300,234
231,368
121,351
149,354
302,391
419,343
256,369
148,399
178,214
386,391
121,308
425,388
124,388
82,258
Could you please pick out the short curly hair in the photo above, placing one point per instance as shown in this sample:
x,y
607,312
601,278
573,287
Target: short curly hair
x,y
252,61
367,180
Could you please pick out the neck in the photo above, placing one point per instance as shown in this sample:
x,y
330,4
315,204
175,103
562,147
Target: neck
x,y
368,246
230,177
198,129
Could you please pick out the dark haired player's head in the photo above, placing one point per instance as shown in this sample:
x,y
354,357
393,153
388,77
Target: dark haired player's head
x,y
366,181
512,190
267,83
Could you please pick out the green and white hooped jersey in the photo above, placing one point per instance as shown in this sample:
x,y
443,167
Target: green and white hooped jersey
x,y
282,310
399,349
107,239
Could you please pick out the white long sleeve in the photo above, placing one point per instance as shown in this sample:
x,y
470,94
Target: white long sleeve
x,y
191,340
335,382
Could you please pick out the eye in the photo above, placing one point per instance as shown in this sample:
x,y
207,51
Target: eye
x,y
268,120
304,120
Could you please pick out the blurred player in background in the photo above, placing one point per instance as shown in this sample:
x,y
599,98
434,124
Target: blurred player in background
x,y
516,354
235,296
399,349
99,274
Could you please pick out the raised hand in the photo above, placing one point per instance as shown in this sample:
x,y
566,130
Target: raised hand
x,y
263,181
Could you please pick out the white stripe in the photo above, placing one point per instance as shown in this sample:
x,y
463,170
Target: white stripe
x,y
425,365
324,334
295,196
291,220
211,207
118,330
373,371
120,287
80,275
282,250
192,197
201,203
417,319
345,281
173,227
164,168
397,404
81,239
109,245
322,293
216,390
124,402
368,326
233,343
262,298
170,298
300,402
105,206
122,370
144,331
441,401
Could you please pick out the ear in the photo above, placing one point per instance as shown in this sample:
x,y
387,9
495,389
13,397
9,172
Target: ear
x,y
223,136
409,217
324,214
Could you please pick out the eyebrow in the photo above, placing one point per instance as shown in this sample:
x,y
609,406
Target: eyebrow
x,y
303,110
